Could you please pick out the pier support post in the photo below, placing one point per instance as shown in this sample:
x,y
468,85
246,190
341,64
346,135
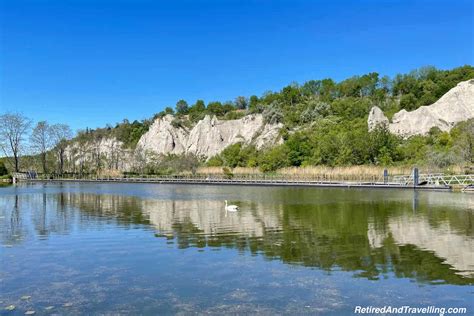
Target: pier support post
x,y
385,176
416,177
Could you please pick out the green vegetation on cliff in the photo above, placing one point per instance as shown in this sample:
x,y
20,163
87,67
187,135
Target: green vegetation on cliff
x,y
323,122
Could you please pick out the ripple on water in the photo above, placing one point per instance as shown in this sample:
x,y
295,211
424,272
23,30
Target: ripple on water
x,y
173,249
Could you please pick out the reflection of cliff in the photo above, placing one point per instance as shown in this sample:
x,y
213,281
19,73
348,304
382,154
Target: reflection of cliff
x,y
210,218
369,237
457,250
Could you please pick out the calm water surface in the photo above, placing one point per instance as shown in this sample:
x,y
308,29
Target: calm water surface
x,y
167,249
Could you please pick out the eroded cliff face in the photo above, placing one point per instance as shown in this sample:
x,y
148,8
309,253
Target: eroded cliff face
x,y
455,106
209,136
377,118
99,154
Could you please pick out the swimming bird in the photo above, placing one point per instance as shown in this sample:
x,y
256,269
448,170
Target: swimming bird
x,y
231,208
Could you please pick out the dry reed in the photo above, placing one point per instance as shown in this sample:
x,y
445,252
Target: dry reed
x,y
354,173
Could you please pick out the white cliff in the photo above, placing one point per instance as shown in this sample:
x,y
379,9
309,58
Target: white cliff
x,y
209,136
163,137
376,118
98,154
455,106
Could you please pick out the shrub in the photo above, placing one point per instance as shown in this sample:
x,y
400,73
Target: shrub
x,y
3,169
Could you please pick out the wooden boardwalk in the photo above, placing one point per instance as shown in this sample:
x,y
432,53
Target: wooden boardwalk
x,y
251,182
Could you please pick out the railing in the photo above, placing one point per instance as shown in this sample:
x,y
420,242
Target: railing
x,y
437,179
19,175
244,178
432,179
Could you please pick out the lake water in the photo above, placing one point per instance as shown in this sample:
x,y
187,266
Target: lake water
x,y
172,249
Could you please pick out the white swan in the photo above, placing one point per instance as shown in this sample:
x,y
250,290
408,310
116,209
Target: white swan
x,y
231,208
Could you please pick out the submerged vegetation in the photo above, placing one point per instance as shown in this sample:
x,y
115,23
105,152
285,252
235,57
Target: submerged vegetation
x,y
324,122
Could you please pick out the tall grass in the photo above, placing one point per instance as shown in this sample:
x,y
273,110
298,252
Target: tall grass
x,y
220,170
326,173
317,172
342,173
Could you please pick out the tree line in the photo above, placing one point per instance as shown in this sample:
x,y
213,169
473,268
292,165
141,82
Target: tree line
x,y
44,139
324,122
298,104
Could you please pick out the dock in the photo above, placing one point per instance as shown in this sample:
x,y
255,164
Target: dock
x,y
414,181
247,182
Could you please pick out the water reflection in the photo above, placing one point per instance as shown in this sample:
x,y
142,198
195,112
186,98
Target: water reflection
x,y
428,238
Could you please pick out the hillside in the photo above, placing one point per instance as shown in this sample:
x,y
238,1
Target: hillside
x,y
321,122
457,105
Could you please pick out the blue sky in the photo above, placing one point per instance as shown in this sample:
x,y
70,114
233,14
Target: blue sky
x,y
92,62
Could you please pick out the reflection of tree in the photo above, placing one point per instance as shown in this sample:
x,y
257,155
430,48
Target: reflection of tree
x,y
335,236
349,236
52,217
41,223
124,210
14,231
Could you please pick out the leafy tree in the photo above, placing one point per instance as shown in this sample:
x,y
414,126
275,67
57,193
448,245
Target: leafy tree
x,y
197,111
182,107
382,146
408,102
228,107
199,106
290,95
3,169
231,155
299,148
414,149
463,140
253,103
274,158
215,108
273,114
328,90
236,155
241,103
311,88
169,110
215,161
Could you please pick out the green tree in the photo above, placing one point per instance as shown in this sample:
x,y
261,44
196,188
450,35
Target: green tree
x,y
299,148
408,102
197,111
182,107
3,169
274,158
231,155
253,103
169,110
463,140
215,108
241,103
382,146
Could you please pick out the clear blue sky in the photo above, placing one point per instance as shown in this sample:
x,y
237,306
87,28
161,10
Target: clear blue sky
x,y
92,62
